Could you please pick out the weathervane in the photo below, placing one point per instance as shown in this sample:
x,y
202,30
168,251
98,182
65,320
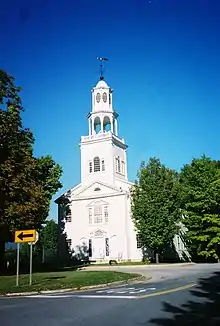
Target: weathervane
x,y
101,66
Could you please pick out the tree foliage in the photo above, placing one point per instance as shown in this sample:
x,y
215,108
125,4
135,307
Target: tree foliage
x,y
27,183
200,195
54,244
155,205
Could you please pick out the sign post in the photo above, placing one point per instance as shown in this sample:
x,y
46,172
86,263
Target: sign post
x,y
24,236
31,259
18,258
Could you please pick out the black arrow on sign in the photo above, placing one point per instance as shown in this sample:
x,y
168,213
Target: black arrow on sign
x,y
21,236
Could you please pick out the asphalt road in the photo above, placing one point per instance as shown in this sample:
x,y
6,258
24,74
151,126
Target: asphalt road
x,y
162,272
192,298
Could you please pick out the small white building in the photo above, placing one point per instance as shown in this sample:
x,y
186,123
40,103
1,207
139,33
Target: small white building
x,y
100,224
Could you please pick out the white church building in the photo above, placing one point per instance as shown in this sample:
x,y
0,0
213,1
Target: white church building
x,y
100,223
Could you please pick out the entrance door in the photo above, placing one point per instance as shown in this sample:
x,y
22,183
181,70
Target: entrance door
x,y
113,248
98,248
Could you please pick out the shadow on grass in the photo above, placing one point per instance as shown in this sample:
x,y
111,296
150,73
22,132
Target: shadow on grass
x,y
54,278
203,310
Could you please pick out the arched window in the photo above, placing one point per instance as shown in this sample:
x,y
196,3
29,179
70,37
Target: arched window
x,y
96,164
97,125
106,124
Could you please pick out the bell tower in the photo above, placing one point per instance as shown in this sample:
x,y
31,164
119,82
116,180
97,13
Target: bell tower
x,y
103,152
102,117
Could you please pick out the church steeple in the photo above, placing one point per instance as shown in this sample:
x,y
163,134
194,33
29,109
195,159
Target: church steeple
x,y
103,152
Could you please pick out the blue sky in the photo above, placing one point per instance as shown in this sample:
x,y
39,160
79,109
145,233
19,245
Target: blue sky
x,y
164,67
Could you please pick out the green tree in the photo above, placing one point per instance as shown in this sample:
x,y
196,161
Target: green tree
x,y
27,184
54,245
155,205
200,195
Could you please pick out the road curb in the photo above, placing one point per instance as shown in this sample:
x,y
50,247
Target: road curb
x,y
141,278
147,266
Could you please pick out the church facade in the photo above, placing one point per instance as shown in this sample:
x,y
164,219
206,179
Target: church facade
x,y
100,224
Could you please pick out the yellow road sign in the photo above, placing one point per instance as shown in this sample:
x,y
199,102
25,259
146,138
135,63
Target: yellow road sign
x,y
25,236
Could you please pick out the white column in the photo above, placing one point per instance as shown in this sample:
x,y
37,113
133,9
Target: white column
x,y
102,126
93,130
89,126
112,126
116,127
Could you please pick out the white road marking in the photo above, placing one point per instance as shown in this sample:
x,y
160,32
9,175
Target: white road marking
x,y
40,296
139,291
126,290
105,294
85,296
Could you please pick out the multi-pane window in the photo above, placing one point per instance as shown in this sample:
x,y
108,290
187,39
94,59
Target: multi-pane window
x,y
118,164
69,242
103,165
122,167
90,248
99,165
90,167
106,213
68,217
90,215
107,247
96,164
139,242
97,214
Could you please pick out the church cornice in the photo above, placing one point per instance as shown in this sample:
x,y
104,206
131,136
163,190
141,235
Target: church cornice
x,y
114,113
101,196
105,136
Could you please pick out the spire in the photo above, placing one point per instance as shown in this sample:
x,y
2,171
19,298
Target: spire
x,y
101,66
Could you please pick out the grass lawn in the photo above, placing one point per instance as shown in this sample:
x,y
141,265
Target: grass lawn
x,y
61,280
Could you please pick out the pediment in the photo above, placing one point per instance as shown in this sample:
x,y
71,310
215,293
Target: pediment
x,y
97,189
97,202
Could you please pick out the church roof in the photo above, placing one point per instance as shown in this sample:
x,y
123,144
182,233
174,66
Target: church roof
x,y
102,84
